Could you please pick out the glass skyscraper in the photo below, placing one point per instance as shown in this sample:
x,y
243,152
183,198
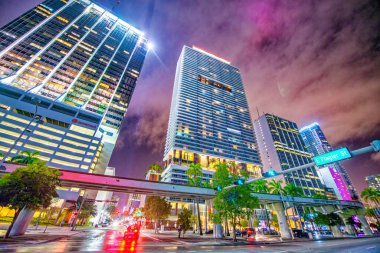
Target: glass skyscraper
x,y
209,118
317,144
82,63
281,148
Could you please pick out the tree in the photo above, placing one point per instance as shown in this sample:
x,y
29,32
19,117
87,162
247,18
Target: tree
x,y
88,209
156,208
154,168
112,211
235,203
184,220
321,219
30,187
293,190
195,174
26,157
274,221
331,219
244,223
371,195
260,186
319,196
275,187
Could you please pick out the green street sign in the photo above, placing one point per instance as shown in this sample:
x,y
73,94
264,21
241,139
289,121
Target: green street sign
x,y
331,157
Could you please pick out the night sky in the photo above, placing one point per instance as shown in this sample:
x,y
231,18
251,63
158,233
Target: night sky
x,y
302,60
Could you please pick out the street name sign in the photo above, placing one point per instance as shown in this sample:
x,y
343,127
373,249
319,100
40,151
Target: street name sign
x,y
331,157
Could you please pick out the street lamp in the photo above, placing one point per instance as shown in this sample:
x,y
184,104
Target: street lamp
x,y
35,116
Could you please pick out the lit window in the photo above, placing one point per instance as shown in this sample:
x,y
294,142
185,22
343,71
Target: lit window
x,y
69,156
74,150
51,129
85,167
17,119
41,149
53,137
4,131
79,137
48,143
65,163
75,143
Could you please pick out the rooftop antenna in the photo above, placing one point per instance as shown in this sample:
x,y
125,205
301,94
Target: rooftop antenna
x,y
258,114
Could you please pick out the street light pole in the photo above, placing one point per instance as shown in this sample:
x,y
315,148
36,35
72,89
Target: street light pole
x,y
37,102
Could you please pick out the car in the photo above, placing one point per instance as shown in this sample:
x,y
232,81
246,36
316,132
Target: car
x,y
249,232
238,232
208,232
132,231
326,233
104,224
298,233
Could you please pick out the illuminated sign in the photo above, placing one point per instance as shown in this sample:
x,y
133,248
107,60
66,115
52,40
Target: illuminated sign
x,y
333,156
76,121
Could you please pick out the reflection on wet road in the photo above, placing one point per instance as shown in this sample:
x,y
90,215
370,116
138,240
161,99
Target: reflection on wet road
x,y
111,240
96,240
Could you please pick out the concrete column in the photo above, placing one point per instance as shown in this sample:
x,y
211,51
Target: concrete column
x,y
347,227
22,222
206,206
284,227
336,231
365,225
217,228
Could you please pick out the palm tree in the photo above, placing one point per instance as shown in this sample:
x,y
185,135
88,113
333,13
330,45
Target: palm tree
x,y
260,186
319,196
26,157
275,187
371,195
293,190
194,174
154,168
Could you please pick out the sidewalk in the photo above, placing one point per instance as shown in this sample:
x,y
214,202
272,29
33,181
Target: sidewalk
x,y
209,240
33,236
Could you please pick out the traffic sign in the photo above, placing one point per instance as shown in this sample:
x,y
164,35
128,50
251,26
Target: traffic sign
x,y
333,156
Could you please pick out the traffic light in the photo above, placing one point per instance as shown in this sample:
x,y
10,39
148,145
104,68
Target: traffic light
x,y
240,181
218,188
270,173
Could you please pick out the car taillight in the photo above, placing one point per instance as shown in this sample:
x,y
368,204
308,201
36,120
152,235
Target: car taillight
x,y
135,230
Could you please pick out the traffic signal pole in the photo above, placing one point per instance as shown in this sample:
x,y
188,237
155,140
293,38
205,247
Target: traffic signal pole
x,y
374,147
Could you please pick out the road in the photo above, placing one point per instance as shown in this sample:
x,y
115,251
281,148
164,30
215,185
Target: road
x,y
108,240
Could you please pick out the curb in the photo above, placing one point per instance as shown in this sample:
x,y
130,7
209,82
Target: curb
x,y
37,242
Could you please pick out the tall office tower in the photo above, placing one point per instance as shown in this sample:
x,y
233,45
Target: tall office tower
x,y
81,63
209,118
334,175
373,182
281,148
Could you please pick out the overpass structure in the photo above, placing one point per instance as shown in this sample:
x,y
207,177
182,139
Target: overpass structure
x,y
128,185
101,182
279,203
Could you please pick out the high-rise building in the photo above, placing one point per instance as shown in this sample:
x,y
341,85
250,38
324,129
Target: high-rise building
x,y
281,148
209,118
373,182
317,144
81,62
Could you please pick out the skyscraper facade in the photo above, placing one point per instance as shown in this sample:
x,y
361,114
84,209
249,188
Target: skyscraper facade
x,y
209,118
281,148
317,144
81,63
